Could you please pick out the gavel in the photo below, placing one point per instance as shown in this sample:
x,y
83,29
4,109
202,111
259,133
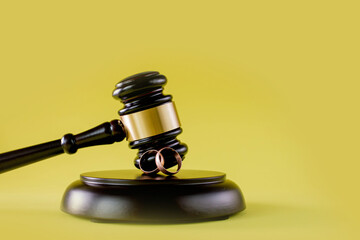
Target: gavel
x,y
149,122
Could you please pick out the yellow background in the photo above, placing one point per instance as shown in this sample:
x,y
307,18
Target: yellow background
x,y
267,91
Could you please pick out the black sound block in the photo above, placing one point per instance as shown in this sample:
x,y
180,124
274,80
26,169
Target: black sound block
x,y
129,196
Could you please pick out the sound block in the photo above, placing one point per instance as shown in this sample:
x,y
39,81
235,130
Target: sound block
x,y
130,196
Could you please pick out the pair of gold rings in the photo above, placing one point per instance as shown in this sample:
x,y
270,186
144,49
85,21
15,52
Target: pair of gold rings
x,y
160,161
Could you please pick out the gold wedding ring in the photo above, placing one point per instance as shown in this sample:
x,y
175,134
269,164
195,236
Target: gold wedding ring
x,y
151,122
156,170
160,162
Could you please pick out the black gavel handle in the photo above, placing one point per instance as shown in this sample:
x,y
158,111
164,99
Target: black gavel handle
x,y
106,133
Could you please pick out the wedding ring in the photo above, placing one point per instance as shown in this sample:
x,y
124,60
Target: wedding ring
x,y
156,170
160,162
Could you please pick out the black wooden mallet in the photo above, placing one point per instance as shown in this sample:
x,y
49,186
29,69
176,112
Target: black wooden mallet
x,y
139,93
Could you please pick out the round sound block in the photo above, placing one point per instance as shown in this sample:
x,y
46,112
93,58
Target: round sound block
x,y
129,196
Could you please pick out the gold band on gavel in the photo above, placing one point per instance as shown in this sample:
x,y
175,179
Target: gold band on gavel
x,y
150,122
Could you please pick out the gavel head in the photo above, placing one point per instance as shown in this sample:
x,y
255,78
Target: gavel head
x,y
149,117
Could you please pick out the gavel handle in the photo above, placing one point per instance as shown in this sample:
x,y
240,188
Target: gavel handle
x,y
106,133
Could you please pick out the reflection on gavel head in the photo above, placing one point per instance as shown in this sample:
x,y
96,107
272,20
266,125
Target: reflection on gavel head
x,y
150,119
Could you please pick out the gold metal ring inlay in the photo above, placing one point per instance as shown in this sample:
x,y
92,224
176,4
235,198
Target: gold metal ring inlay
x,y
150,122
